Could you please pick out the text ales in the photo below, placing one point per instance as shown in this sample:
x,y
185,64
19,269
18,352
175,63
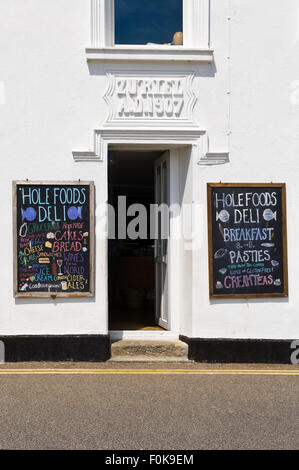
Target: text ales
x,y
54,239
247,240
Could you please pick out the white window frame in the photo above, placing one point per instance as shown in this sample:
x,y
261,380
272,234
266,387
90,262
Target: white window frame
x,y
196,30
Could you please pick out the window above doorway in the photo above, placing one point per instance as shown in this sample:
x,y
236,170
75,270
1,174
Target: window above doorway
x,y
124,30
148,23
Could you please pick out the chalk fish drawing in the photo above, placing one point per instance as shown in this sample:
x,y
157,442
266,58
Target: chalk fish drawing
x,y
28,214
223,216
274,263
222,270
268,245
74,213
220,253
268,215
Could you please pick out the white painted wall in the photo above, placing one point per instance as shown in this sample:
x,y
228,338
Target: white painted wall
x,y
261,39
50,102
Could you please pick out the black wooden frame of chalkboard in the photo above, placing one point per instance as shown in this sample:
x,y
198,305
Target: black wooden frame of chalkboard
x,y
66,294
212,293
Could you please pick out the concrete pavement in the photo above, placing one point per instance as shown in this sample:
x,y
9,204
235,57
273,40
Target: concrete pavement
x,y
148,406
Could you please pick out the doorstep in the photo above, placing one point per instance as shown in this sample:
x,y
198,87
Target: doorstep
x,y
154,350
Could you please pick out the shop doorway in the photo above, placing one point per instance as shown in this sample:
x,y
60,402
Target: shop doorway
x,y
138,184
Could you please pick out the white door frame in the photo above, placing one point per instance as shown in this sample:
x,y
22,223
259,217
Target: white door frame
x,y
170,139
162,197
174,258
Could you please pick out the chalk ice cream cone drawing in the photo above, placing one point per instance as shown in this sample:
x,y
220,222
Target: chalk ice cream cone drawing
x,y
222,270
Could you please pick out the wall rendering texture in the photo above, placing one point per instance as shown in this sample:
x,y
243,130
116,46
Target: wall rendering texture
x,y
51,100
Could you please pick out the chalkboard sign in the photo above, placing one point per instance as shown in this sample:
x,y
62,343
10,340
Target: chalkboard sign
x,y
247,240
53,239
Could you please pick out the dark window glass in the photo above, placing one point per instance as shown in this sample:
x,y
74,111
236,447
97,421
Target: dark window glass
x,y
146,21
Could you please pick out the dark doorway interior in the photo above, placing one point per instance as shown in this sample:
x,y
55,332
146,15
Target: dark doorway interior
x,y
131,263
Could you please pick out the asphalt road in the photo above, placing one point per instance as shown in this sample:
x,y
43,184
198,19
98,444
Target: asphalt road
x,y
152,410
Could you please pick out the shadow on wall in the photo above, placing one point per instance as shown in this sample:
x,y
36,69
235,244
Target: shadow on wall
x,y
249,301
204,70
54,302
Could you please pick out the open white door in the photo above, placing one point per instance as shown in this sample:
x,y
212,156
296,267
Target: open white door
x,y
162,196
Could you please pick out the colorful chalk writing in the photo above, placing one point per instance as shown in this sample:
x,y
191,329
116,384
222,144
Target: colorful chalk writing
x,y
247,240
54,236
